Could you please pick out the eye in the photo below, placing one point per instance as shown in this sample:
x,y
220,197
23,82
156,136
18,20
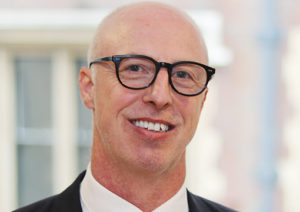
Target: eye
x,y
135,68
182,74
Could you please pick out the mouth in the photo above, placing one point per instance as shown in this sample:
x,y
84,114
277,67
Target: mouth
x,y
152,126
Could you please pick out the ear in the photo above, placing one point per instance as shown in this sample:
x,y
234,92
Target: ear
x,y
86,86
204,97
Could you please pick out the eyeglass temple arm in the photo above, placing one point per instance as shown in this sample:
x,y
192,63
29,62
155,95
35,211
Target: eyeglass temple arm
x,y
102,59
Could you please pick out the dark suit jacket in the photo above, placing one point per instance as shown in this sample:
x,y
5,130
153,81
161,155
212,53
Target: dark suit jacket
x,y
69,201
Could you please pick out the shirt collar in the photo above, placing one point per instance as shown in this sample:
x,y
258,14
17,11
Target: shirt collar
x,y
94,197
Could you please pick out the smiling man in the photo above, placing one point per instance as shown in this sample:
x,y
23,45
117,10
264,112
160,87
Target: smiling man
x,y
146,85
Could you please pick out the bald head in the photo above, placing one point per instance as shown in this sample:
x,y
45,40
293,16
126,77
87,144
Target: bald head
x,y
149,23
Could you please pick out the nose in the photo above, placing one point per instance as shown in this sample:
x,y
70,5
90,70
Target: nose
x,y
159,93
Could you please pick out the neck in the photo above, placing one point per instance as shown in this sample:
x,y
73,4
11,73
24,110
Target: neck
x,y
145,190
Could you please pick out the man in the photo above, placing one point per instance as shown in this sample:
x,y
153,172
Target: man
x,y
146,86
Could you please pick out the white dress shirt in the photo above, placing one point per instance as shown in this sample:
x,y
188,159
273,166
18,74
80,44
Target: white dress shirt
x,y
96,198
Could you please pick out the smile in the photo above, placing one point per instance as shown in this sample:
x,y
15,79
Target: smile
x,y
153,126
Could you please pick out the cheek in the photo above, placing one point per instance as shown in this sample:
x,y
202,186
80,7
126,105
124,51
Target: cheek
x,y
190,106
190,110
112,98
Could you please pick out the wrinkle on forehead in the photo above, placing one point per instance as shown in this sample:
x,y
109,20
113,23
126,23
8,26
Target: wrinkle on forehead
x,y
146,16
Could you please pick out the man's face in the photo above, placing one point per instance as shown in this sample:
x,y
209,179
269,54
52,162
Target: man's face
x,y
117,109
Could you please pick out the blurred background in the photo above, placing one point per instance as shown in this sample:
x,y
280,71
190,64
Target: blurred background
x,y
246,151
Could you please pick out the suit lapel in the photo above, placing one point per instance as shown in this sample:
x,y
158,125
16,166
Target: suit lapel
x,y
69,199
193,207
196,204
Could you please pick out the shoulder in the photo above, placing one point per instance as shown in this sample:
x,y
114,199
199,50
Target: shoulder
x,y
40,206
197,203
68,200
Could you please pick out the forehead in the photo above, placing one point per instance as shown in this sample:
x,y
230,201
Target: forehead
x,y
152,31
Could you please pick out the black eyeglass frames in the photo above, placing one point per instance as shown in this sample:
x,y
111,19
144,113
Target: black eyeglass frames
x,y
187,78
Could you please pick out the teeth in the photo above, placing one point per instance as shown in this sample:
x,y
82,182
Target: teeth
x,y
145,124
136,123
150,126
164,127
140,123
158,127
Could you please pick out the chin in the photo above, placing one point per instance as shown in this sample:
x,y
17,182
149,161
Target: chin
x,y
158,163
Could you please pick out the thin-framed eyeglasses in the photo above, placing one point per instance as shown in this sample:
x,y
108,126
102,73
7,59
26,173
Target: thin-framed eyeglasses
x,y
187,78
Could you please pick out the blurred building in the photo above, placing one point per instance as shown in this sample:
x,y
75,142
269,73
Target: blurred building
x,y
246,152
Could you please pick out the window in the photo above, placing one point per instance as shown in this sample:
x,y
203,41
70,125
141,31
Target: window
x,y
34,137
